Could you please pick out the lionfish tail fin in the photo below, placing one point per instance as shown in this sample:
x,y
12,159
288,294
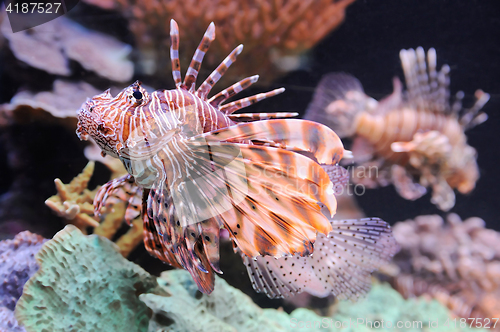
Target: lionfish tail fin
x,y
215,76
245,102
194,67
341,263
337,100
174,52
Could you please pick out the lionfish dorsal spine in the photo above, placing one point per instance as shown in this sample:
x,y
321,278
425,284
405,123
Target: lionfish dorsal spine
x,y
194,66
215,76
174,53
245,102
234,89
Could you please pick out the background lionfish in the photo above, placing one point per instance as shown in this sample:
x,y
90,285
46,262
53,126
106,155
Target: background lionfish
x,y
198,171
415,138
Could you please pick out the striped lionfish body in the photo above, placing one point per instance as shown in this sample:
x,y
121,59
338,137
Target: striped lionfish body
x,y
416,138
198,170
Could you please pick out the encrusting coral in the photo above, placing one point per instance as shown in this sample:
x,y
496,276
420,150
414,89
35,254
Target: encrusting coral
x,y
57,42
457,262
273,32
74,202
17,265
87,285
83,284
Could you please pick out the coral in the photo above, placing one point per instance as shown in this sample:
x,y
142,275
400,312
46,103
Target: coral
x,y
87,285
8,322
273,33
74,202
62,102
457,262
17,265
58,41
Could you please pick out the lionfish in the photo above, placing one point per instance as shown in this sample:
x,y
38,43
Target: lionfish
x,y
416,138
268,182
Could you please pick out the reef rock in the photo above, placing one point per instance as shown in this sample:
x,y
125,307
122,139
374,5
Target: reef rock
x,y
17,265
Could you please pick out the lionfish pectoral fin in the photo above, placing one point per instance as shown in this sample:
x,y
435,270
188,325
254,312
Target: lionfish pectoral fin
x,y
337,100
209,230
120,189
405,184
246,117
341,263
293,134
267,198
174,244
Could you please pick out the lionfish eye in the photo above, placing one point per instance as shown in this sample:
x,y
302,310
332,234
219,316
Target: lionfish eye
x,y
137,95
91,109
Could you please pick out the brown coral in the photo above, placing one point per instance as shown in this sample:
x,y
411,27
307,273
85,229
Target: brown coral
x,y
74,202
457,262
57,42
62,102
273,32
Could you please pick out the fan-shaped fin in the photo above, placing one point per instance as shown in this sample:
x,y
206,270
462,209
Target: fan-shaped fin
x,y
292,134
341,263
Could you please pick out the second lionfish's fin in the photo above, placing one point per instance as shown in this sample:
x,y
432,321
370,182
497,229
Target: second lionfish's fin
x,y
405,184
340,265
291,134
337,100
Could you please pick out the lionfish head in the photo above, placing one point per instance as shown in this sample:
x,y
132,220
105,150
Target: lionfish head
x,y
99,118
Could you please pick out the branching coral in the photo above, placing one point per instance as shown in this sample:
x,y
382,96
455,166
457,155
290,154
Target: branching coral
x,y
457,262
74,202
271,31
57,42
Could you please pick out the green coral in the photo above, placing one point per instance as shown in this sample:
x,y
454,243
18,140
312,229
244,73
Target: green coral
x,y
84,284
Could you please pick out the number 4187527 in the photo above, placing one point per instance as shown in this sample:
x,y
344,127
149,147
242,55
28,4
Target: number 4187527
x,y
33,7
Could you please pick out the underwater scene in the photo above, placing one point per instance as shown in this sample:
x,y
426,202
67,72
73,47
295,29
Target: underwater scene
x,y
249,165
